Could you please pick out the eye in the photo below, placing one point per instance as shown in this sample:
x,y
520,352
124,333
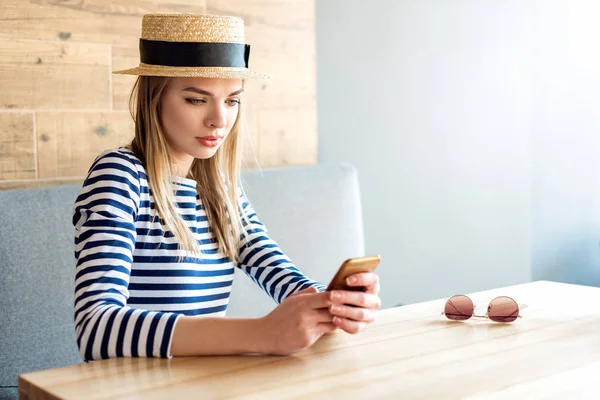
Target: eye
x,y
233,102
196,101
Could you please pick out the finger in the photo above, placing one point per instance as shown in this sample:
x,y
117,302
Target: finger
x,y
348,325
322,315
368,280
318,300
327,327
357,299
353,313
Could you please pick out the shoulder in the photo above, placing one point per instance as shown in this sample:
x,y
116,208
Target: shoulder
x,y
121,159
112,185
118,169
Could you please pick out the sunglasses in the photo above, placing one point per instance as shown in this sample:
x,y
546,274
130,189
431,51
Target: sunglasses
x,y
500,309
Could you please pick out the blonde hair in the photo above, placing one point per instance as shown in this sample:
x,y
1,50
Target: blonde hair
x,y
217,177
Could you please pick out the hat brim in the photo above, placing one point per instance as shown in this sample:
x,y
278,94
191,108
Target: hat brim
x,y
184,72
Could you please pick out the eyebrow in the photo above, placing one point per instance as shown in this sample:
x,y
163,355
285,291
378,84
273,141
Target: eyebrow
x,y
204,92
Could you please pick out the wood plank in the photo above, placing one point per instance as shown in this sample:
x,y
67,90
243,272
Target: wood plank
x,y
292,83
287,137
17,152
275,14
53,75
68,142
553,386
38,183
99,21
123,58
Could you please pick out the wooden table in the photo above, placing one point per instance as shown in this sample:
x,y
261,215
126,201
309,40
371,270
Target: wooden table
x,y
412,352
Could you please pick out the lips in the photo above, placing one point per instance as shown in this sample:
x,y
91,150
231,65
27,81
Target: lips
x,y
210,141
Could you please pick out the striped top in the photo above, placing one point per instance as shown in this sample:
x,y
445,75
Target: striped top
x,y
130,286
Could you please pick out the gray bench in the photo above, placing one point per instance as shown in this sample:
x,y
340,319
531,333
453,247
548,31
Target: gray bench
x,y
313,213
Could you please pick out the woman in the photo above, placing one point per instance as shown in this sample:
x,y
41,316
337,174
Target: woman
x,y
160,224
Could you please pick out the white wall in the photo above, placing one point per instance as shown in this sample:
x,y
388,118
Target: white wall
x,y
566,141
445,109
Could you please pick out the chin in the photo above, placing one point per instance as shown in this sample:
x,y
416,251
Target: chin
x,y
204,153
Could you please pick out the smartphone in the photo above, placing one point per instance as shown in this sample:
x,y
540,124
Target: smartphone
x,y
350,267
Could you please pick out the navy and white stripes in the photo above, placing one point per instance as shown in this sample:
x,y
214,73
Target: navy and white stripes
x,y
131,286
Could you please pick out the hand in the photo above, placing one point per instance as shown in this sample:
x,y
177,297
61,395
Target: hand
x,y
298,322
354,311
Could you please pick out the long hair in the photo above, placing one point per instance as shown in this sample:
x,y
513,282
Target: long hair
x,y
217,177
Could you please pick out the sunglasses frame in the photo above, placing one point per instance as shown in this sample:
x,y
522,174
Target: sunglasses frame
x,y
486,316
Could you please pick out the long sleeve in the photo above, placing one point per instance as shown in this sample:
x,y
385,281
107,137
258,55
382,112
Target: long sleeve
x,y
265,263
104,217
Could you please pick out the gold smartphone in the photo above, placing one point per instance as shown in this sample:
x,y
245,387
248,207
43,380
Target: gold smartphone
x,y
350,267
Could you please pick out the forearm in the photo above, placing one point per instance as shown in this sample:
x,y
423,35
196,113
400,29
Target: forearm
x,y
194,336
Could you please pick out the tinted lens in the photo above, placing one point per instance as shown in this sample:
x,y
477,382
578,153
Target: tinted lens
x,y
503,309
458,308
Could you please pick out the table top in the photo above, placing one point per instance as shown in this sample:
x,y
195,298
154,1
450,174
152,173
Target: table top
x,y
411,352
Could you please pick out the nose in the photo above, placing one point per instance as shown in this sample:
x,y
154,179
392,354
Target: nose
x,y
216,119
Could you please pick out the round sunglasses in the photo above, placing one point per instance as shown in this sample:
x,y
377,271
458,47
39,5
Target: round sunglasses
x,y
500,309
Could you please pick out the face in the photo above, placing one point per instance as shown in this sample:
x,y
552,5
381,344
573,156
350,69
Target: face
x,y
196,115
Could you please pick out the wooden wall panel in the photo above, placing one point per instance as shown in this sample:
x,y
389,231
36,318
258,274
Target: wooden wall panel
x,y
68,142
54,75
287,137
17,153
61,106
97,21
123,58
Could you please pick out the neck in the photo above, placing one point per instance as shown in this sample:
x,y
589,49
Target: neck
x,y
181,167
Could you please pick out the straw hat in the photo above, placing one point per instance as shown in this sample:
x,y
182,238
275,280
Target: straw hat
x,y
186,45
